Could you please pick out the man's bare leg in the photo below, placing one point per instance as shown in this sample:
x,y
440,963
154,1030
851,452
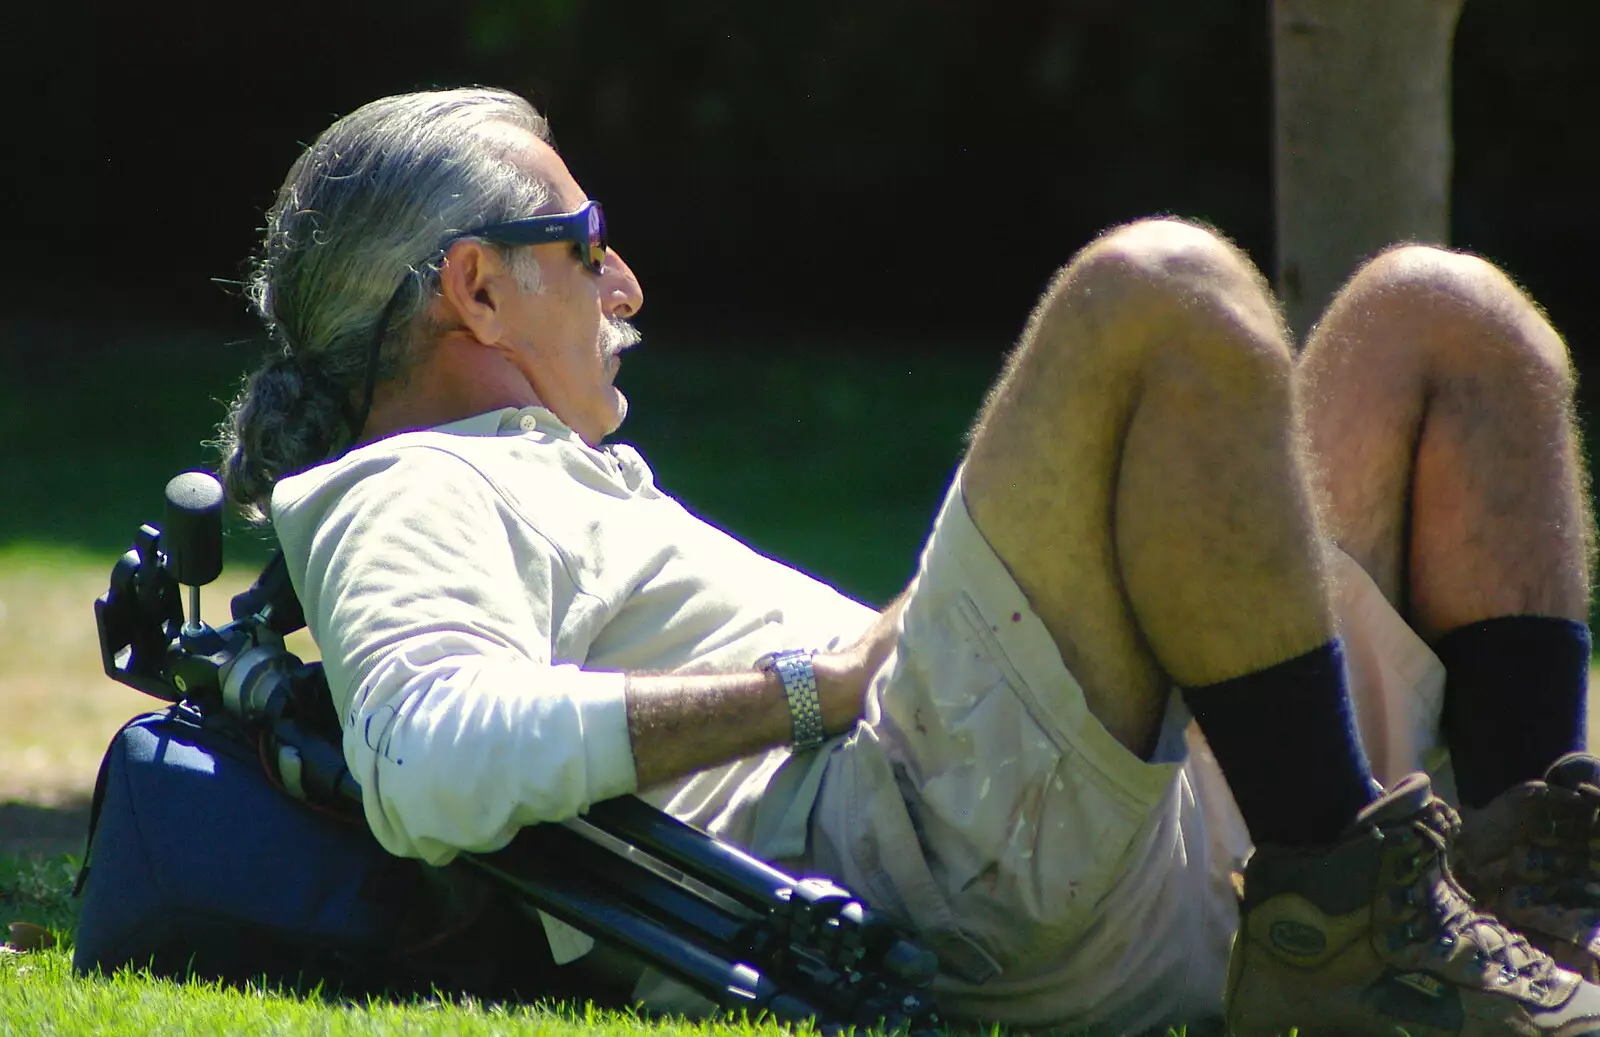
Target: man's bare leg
x,y
1438,401
1138,469
1429,376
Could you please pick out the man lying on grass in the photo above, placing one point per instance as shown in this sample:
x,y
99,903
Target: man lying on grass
x,y
1164,514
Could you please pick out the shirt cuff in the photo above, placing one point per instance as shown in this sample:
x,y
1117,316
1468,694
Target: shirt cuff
x,y
602,702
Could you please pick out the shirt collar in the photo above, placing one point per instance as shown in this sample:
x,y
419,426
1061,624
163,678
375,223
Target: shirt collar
x,y
506,421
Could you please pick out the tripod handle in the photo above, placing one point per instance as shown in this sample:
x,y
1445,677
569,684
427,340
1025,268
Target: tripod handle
x,y
192,528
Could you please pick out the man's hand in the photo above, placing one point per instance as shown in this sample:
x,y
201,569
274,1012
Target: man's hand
x,y
843,677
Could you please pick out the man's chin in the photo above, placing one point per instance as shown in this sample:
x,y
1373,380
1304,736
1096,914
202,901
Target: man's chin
x,y
621,406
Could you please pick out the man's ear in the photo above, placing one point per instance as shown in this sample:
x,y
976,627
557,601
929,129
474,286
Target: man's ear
x,y
473,285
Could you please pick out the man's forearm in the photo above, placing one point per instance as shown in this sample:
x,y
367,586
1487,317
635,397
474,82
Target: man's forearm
x,y
683,724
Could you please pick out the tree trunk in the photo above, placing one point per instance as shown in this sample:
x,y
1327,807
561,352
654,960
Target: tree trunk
x,y
1361,94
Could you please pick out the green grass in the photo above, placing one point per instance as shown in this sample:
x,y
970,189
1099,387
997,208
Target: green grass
x,y
40,994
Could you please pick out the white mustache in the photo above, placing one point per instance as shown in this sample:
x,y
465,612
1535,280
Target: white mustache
x,y
617,335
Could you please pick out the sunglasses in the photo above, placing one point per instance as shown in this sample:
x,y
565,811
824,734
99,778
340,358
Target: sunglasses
x,y
585,227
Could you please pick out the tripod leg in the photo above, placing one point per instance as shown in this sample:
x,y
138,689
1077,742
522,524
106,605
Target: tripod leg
x,y
611,917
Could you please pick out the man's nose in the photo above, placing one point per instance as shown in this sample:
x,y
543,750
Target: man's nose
x,y
622,295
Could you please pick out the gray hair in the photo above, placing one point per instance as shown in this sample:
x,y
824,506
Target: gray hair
x,y
355,235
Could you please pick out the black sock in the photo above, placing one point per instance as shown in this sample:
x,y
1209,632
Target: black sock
x,y
1286,740
1515,699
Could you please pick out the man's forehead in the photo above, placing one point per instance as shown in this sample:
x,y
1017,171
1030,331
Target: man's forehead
x,y
541,160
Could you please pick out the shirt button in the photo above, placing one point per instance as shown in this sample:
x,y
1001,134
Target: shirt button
x,y
528,422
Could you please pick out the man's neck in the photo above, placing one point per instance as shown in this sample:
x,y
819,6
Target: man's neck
x,y
456,381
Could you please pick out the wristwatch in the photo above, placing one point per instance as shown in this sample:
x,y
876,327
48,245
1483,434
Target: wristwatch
x,y
793,668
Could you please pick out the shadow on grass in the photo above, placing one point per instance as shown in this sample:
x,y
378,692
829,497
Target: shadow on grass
x,y
28,829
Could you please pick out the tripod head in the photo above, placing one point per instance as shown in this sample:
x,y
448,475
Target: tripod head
x,y
240,670
145,641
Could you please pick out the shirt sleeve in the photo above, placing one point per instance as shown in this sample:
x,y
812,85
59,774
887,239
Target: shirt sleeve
x,y
434,607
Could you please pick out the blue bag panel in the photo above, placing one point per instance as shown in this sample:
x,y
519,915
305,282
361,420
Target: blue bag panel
x,y
199,865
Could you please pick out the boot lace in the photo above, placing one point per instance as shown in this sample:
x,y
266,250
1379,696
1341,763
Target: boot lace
x,y
1430,905
1562,859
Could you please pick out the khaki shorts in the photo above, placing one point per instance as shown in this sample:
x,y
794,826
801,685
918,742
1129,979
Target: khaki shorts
x,y
1061,879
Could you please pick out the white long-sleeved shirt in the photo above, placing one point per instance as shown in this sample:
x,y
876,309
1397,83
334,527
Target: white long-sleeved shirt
x,y
478,591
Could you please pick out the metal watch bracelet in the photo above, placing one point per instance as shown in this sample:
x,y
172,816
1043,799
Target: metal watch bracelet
x,y
793,668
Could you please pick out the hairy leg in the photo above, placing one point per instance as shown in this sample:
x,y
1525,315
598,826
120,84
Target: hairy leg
x,y
1438,404
1138,470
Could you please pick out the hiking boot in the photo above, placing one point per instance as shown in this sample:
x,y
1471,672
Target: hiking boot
x,y
1374,936
1533,858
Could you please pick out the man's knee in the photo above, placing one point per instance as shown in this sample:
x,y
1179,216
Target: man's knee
x,y
1165,292
1461,309
1170,252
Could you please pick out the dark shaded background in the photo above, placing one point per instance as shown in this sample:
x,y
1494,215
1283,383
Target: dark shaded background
x,y
915,165
897,177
